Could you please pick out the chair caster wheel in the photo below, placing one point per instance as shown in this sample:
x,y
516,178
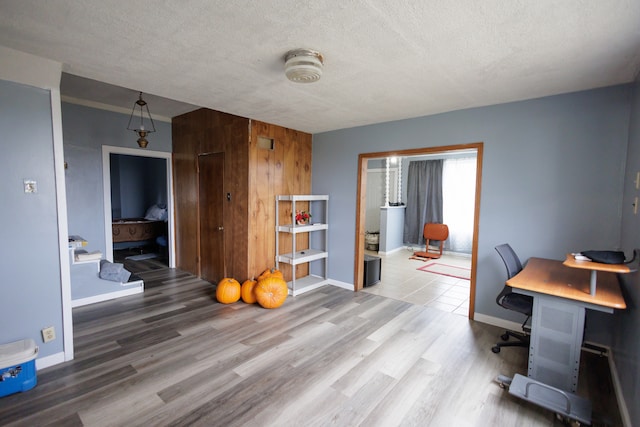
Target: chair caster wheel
x,y
567,421
504,337
495,349
504,382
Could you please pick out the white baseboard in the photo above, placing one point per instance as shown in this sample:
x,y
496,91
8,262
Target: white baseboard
x,y
343,285
392,251
617,387
496,321
45,362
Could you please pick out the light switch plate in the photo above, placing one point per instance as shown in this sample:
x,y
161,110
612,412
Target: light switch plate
x,y
30,186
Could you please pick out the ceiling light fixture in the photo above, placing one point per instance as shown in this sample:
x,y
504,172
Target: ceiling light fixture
x,y
303,65
141,131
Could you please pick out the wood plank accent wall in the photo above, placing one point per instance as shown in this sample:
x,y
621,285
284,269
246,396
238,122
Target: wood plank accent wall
x,y
186,137
200,132
284,170
253,177
229,134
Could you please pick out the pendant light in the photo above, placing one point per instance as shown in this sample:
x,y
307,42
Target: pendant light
x,y
141,109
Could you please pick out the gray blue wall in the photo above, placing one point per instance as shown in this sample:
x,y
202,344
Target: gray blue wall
x,y
30,257
551,183
86,130
626,334
137,183
391,229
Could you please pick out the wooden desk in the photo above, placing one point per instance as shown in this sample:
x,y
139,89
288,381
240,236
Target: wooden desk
x,y
594,267
560,297
553,278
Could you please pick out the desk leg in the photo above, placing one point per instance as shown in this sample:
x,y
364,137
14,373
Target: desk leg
x,y
592,282
556,340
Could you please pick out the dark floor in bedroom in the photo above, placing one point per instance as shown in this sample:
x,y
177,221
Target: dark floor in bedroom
x,y
142,259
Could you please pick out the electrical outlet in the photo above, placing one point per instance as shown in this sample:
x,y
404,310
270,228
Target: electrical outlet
x,y
48,334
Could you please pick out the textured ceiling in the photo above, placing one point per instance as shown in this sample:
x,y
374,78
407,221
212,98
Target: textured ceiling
x,y
384,59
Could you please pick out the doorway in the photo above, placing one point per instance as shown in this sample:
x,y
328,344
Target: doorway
x,y
210,216
363,160
107,151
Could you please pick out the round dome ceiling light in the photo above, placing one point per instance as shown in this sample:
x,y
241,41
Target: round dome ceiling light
x,y
303,65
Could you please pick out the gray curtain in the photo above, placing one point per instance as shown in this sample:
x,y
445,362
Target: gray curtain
x,y
424,198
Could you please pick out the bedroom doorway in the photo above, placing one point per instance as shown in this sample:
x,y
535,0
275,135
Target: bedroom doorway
x,y
160,160
363,162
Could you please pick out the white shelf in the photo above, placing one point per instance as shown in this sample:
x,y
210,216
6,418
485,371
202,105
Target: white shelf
x,y
303,256
319,205
306,284
295,229
302,198
72,257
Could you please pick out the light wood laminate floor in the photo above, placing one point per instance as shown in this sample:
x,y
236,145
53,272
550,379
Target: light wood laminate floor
x,y
401,279
330,357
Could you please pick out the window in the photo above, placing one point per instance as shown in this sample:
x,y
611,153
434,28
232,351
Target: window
x,y
458,192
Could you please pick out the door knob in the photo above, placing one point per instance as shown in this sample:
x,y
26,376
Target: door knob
x,y
220,228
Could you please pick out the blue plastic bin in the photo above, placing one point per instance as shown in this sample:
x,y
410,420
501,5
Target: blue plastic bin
x,y
17,366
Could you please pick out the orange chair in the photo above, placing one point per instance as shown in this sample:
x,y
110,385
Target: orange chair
x,y
433,231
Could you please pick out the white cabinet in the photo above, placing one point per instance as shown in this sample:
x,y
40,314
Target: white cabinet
x,y
316,253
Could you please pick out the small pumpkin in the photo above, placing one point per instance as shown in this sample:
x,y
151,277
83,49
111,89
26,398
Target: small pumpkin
x,y
270,272
271,292
228,290
246,291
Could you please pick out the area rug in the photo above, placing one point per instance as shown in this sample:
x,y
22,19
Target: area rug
x,y
142,256
447,270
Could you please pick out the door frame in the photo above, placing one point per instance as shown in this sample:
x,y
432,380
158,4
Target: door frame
x,y
107,150
363,160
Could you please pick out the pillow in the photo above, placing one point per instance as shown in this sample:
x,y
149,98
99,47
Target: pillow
x,y
156,213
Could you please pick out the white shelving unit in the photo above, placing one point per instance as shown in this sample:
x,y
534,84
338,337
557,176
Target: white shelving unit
x,y
319,207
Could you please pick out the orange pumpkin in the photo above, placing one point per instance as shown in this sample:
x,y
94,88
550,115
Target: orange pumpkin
x,y
246,291
228,290
271,292
270,272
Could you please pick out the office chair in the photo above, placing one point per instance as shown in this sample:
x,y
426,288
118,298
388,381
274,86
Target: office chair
x,y
513,301
433,231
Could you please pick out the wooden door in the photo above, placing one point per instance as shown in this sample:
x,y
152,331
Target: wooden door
x,y
210,207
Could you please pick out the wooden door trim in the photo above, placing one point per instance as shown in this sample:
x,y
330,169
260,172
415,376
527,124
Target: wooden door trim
x,y
363,159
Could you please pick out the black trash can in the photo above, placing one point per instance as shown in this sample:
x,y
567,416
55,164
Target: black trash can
x,y
372,267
